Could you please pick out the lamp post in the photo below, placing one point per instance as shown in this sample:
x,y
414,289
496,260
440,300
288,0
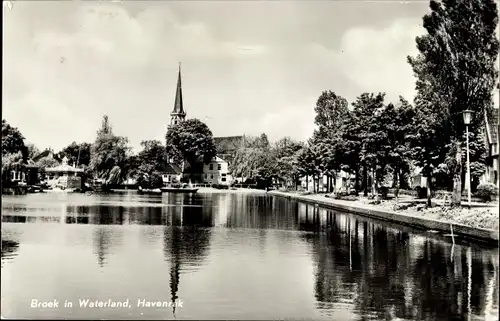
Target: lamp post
x,y
467,117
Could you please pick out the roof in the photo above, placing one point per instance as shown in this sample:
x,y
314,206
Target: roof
x,y
217,159
171,169
45,153
229,144
64,168
178,105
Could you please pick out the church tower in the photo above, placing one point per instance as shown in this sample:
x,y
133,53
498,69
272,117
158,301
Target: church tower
x,y
178,115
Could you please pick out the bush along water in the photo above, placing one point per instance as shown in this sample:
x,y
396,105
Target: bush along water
x,y
487,192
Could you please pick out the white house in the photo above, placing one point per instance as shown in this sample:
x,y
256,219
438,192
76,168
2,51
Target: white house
x,y
216,172
171,174
341,182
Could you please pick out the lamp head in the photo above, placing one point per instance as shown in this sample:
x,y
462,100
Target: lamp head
x,y
467,116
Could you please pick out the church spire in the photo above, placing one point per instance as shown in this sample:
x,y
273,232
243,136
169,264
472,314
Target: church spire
x,y
178,113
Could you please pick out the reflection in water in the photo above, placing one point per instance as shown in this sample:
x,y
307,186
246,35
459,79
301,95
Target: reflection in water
x,y
372,270
9,249
397,275
186,242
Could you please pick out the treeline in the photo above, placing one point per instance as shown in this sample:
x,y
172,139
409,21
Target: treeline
x,y
379,143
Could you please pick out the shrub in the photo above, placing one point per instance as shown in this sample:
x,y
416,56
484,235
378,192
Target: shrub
x,y
487,192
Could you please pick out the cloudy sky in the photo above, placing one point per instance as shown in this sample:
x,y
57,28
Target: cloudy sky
x,y
247,67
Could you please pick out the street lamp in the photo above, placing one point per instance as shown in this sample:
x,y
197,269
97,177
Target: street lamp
x,y
467,117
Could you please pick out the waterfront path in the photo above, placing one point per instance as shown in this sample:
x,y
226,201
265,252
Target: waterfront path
x,y
480,222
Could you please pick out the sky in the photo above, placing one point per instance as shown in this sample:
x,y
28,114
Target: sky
x,y
247,67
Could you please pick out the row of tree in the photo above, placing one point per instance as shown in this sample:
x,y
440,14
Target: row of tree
x,y
378,143
109,158
455,71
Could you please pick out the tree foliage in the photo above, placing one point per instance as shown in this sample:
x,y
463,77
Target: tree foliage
x,y
77,154
109,155
151,162
46,162
285,155
455,71
331,111
12,140
190,141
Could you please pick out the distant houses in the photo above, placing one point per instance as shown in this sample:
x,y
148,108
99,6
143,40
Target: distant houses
x,y
217,172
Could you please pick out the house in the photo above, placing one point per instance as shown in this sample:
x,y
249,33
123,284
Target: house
x,y
171,174
341,183
64,175
217,172
491,137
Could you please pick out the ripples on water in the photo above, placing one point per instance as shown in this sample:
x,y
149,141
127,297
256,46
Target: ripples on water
x,y
233,256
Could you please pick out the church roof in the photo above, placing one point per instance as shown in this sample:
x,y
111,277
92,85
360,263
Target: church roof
x,y
228,144
45,153
178,104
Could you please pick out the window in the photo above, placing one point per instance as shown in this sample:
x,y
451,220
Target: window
x,y
219,167
206,175
223,179
211,167
224,174
211,176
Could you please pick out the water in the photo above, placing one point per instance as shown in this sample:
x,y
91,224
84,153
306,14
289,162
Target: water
x,y
232,256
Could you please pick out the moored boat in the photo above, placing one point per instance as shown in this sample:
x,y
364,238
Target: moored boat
x,y
149,191
179,190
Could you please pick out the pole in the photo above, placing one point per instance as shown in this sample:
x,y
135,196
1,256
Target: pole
x,y
468,167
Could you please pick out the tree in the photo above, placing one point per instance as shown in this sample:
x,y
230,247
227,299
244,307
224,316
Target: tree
x,y
349,148
77,154
10,161
331,110
455,69
12,140
190,141
309,163
151,162
46,162
109,155
428,146
365,131
285,158
32,151
394,151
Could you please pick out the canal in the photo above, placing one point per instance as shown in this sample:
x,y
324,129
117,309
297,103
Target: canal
x,y
232,256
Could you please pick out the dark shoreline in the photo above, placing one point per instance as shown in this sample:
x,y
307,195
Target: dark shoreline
x,y
485,236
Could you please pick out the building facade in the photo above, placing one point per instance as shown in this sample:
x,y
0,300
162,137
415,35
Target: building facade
x,y
217,172
491,137
64,176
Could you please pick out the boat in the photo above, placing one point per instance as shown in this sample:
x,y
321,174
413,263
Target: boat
x,y
184,188
179,190
149,191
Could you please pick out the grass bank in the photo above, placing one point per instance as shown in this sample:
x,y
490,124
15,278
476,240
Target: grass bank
x,y
207,190
480,222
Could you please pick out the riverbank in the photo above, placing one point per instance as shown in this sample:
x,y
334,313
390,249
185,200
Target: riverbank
x,y
208,190
480,222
